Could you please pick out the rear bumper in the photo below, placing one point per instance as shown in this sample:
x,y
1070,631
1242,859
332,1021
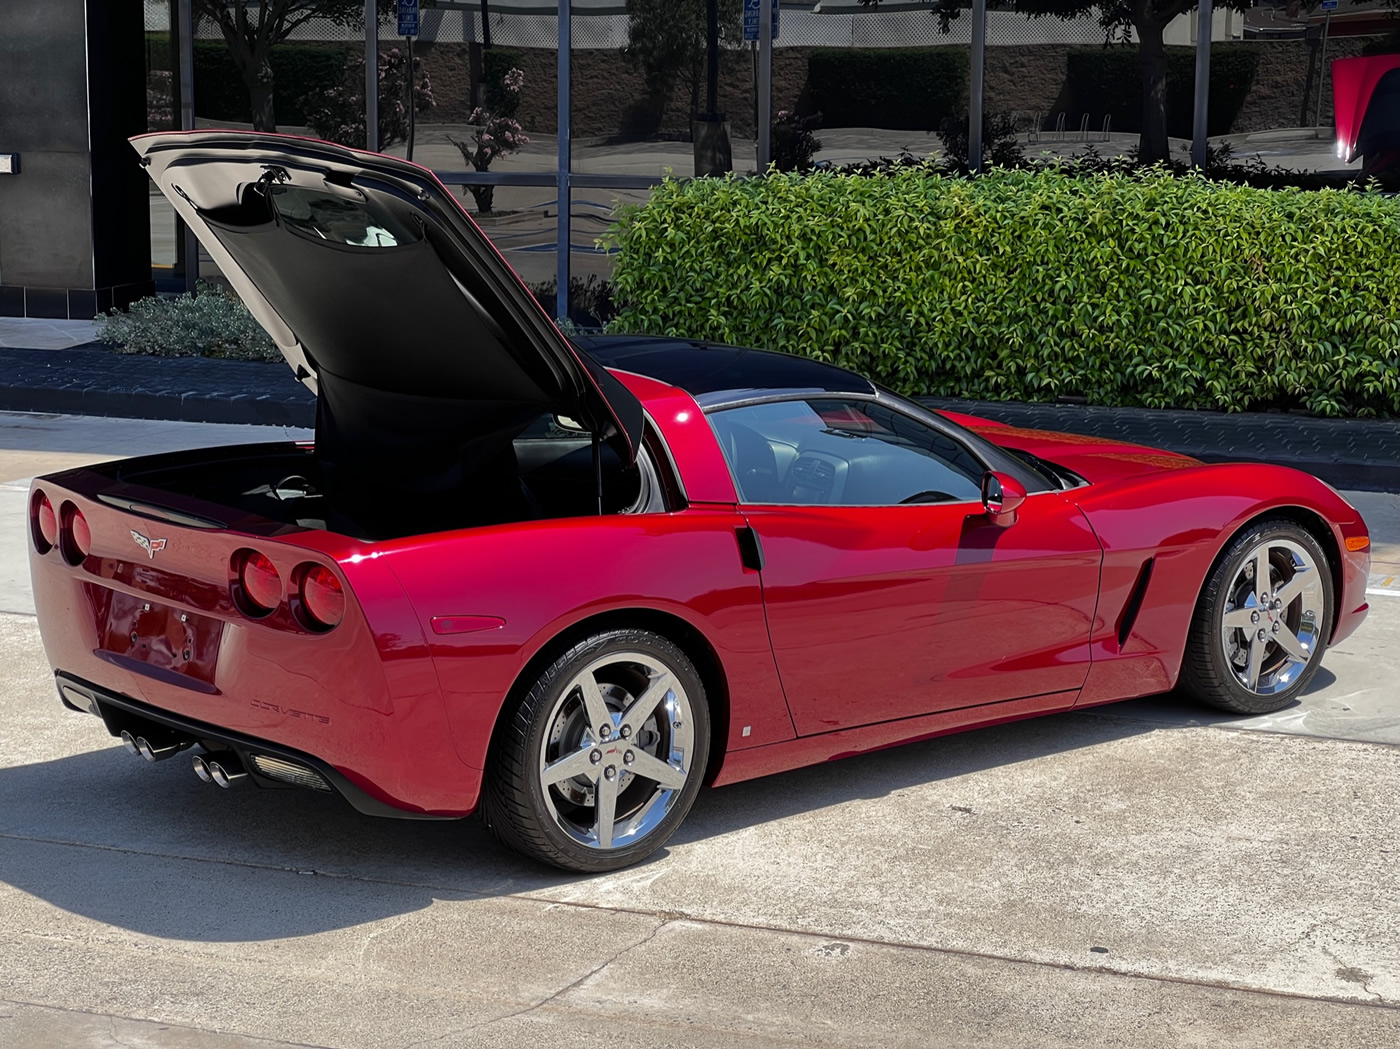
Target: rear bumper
x,y
118,712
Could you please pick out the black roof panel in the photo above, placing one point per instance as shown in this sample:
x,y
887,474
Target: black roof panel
x,y
714,374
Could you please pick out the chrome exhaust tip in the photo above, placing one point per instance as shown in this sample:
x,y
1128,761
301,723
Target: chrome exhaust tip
x,y
129,742
201,769
225,777
224,768
157,751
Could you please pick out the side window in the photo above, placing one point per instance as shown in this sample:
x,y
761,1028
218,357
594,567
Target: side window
x,y
554,459
833,451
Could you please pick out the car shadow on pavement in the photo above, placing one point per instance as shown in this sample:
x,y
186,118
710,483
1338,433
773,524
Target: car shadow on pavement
x,y
151,849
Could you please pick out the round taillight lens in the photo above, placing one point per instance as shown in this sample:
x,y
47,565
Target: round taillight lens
x,y
77,537
259,582
45,523
322,597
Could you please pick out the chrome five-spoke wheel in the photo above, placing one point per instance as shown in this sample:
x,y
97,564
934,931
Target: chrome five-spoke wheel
x,y
605,755
618,749
1273,617
1262,621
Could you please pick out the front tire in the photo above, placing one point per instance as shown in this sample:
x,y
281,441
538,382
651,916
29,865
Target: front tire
x,y
603,757
1262,621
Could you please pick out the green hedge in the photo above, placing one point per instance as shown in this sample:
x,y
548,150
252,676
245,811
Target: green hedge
x,y
297,70
1125,289
903,88
1108,82
1384,45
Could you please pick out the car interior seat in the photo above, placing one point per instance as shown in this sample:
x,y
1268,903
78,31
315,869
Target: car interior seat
x,y
752,460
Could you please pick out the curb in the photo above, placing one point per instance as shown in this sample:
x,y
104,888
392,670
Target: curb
x,y
1361,454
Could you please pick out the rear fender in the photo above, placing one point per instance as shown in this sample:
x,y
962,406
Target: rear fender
x,y
492,600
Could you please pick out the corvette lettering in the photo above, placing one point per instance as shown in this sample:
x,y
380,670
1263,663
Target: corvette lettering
x,y
151,546
277,708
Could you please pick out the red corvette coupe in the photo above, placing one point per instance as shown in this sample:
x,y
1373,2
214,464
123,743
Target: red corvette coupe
x,y
566,584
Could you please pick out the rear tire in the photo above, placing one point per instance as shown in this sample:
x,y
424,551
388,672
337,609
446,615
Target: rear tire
x,y
1255,643
604,755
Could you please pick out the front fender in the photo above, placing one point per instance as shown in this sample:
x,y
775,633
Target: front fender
x,y
1182,520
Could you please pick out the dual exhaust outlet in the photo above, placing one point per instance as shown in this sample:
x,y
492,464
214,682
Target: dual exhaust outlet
x,y
220,767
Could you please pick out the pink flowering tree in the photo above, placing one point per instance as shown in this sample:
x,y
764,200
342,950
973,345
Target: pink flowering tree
x,y
338,115
496,132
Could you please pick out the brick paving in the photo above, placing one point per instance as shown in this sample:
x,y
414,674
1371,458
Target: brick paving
x,y
91,380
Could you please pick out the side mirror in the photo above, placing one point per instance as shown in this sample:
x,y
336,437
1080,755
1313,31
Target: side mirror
x,y
1001,496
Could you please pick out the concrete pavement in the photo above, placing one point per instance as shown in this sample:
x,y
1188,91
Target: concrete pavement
x,y
1131,876
36,334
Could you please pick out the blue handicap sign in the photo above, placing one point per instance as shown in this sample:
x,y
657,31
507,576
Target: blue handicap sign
x,y
408,17
751,13
1329,5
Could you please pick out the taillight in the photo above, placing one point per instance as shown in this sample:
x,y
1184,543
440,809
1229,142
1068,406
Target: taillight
x,y
76,540
45,523
259,587
321,596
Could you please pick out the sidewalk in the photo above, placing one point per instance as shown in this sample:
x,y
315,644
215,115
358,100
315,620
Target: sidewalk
x,y
84,378
31,333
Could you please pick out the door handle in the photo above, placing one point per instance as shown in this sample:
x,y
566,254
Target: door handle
x,y
750,548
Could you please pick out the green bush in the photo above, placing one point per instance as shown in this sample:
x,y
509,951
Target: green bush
x,y
210,323
1106,81
903,88
1126,289
298,70
1383,45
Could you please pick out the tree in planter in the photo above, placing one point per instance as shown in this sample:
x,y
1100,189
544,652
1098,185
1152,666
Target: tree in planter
x,y
338,115
669,44
1147,18
794,145
497,133
999,143
251,27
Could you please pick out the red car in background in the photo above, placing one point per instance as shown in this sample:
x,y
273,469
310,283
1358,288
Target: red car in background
x,y
565,585
1366,100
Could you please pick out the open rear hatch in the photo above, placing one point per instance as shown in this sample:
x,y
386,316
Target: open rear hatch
x,y
427,354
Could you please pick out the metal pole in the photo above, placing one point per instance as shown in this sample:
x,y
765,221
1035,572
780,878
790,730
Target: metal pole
x,y
974,87
765,84
371,76
1199,143
1322,69
712,58
561,307
184,62
411,100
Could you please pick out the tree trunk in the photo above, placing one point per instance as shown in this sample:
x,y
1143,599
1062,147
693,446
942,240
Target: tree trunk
x,y
485,197
1152,63
258,76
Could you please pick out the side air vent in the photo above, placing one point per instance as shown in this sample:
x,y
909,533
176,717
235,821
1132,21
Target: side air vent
x,y
1133,605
